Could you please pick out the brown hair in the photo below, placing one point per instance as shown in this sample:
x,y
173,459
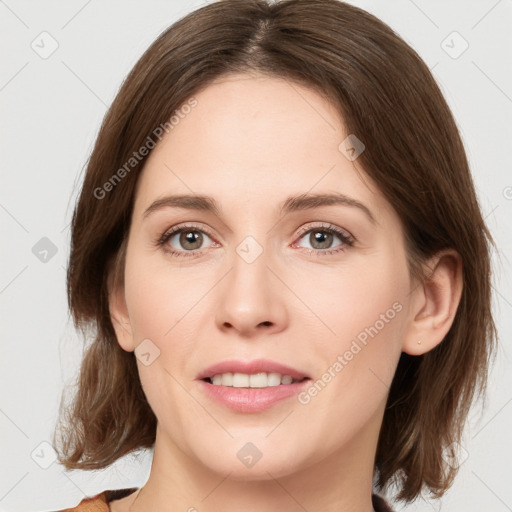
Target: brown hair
x,y
387,96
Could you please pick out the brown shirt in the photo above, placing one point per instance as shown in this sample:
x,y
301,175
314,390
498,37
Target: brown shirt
x,y
100,502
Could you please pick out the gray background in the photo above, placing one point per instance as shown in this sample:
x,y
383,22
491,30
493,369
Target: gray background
x,y
51,109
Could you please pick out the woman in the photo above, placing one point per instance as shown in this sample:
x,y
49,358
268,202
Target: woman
x,y
325,333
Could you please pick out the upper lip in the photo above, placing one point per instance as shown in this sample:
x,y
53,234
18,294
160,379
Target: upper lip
x,y
251,367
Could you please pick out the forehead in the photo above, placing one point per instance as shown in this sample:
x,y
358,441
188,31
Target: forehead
x,y
254,140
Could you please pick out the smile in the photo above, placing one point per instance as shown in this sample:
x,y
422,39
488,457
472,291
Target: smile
x,y
257,380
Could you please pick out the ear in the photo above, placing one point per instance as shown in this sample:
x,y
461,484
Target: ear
x,y
434,303
120,319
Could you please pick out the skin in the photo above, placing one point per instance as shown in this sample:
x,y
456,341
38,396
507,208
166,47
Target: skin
x,y
251,142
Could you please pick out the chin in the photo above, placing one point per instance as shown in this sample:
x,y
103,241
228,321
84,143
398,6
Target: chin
x,y
250,457
262,470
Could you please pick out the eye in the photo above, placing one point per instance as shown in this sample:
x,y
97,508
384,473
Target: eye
x,y
188,240
321,239
184,241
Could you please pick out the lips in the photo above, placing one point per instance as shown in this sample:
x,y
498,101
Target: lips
x,y
260,395
251,367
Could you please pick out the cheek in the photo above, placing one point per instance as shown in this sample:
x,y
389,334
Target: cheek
x,y
159,305
355,366
342,302
157,297
361,320
334,305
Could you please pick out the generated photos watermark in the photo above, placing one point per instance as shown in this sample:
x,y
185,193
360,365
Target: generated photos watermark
x,y
357,344
143,151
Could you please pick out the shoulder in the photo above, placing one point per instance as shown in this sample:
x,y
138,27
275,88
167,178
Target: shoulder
x,y
380,504
99,502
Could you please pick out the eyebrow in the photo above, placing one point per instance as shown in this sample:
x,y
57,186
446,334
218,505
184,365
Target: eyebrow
x,y
291,204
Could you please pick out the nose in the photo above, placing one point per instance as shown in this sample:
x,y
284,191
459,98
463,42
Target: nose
x,y
251,298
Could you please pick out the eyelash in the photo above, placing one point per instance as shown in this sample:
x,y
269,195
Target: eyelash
x,y
347,240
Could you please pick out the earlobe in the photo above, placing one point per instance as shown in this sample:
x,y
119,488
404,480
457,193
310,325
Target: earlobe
x,y
120,319
434,304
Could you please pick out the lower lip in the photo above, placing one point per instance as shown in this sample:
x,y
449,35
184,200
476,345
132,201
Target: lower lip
x,y
252,399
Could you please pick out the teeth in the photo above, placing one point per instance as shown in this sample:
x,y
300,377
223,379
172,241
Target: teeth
x,y
257,380
286,379
240,380
227,379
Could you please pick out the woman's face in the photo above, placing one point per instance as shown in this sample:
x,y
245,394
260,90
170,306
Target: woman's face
x,y
263,280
